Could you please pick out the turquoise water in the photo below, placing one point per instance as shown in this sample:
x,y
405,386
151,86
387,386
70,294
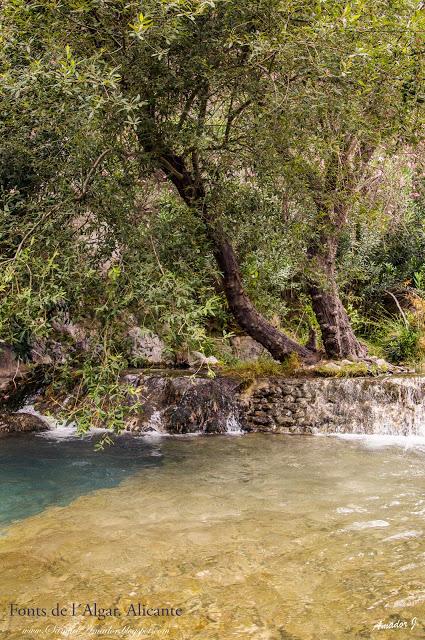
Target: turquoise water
x,y
262,537
37,471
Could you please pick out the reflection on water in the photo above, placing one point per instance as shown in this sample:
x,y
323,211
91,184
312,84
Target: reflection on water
x,y
263,537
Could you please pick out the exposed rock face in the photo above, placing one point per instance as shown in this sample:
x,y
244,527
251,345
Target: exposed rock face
x,y
20,423
46,351
209,407
147,347
184,404
8,361
196,359
245,348
15,380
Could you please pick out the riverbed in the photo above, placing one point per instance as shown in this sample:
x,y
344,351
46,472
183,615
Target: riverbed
x,y
255,536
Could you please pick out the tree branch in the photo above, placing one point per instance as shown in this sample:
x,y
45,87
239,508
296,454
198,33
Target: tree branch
x,y
89,176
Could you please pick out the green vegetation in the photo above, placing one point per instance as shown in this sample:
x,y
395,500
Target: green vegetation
x,y
205,168
263,367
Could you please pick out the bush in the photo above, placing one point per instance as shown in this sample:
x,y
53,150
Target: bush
x,y
402,340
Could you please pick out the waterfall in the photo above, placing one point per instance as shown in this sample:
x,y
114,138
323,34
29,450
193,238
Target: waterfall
x,y
233,426
392,406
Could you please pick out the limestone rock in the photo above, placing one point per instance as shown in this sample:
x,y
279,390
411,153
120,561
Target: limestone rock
x,y
20,423
47,352
196,358
183,403
15,382
8,362
147,347
245,348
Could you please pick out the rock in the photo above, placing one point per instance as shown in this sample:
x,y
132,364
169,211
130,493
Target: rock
x,y
197,358
67,338
245,348
47,352
147,347
331,367
16,381
78,334
261,420
9,363
20,423
209,407
182,403
382,363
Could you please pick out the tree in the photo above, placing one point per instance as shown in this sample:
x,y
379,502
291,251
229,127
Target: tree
x,y
185,69
348,86
205,91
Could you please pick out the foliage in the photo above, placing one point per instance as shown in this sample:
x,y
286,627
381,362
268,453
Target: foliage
x,y
301,120
353,370
251,370
93,395
403,338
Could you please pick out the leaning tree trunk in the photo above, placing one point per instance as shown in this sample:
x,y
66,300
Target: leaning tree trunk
x,y
249,319
338,336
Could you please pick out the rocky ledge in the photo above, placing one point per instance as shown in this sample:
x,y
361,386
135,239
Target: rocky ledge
x,y
192,403
172,402
12,423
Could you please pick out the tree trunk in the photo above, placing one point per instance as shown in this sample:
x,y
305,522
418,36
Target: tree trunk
x,y
338,336
249,319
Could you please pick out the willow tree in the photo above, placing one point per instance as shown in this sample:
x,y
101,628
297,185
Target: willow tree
x,y
192,92
363,101
189,71
349,90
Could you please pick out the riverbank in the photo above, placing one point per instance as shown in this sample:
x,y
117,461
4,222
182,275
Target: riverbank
x,y
185,402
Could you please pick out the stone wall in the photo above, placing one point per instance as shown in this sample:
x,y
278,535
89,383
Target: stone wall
x,y
185,403
178,402
393,405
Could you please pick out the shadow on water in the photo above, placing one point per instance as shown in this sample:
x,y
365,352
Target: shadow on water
x,y
260,536
37,472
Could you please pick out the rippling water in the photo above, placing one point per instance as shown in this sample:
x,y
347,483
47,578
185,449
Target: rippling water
x,y
263,537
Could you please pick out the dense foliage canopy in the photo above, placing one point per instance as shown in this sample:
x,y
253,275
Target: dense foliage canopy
x,y
204,167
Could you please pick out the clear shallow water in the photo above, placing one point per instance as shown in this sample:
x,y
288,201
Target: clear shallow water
x,y
263,537
41,470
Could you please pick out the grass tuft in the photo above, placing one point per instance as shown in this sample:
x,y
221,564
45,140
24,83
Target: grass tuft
x,y
251,370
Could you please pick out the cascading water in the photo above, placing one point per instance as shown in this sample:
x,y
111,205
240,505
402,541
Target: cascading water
x,y
392,406
389,406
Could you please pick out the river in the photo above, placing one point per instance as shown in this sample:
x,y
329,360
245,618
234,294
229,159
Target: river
x,y
257,536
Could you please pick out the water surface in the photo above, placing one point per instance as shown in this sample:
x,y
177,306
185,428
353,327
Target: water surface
x,y
262,537
39,470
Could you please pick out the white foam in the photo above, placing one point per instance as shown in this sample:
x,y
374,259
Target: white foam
x,y
156,422
404,535
232,426
411,601
351,509
377,441
69,432
29,408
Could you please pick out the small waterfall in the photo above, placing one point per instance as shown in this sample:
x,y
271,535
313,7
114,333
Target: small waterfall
x,y
393,406
58,430
155,423
233,426
30,408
